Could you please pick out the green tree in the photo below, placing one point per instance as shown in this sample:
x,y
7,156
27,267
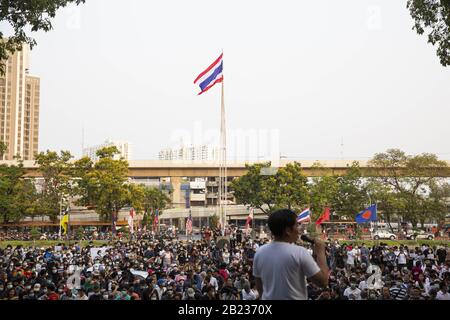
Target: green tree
x,y
351,194
22,15
322,192
434,204
390,203
17,194
35,233
154,199
433,17
56,189
214,220
104,184
410,176
291,187
287,188
3,148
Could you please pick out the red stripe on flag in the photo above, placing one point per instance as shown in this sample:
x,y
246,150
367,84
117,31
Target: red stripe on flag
x,y
211,85
209,68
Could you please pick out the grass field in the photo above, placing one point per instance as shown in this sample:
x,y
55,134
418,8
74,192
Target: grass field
x,y
98,243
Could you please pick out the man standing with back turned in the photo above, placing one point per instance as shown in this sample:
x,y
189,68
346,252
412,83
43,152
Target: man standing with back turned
x,y
282,267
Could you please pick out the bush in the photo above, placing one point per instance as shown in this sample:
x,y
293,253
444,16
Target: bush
x,y
35,233
80,232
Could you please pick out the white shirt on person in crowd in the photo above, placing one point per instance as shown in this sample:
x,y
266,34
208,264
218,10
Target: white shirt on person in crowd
x,y
214,283
356,293
442,295
362,285
226,257
251,295
401,258
283,269
351,257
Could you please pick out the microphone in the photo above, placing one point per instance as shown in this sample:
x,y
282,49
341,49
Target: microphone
x,y
305,238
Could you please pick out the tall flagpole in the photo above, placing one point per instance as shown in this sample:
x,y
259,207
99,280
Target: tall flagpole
x,y
223,163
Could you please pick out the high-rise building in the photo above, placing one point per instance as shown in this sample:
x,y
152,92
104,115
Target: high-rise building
x,y
202,153
122,146
19,107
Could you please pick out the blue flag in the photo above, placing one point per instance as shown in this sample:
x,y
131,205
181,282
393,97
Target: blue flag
x,y
367,215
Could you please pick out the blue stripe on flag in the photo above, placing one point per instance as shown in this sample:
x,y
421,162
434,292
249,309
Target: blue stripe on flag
x,y
212,77
303,215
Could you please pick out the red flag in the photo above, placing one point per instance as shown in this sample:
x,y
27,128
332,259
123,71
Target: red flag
x,y
249,219
324,217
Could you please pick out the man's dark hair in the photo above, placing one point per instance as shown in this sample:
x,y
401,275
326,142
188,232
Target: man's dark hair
x,y
280,220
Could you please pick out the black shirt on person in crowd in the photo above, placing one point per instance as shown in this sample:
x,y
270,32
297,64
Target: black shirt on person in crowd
x,y
442,254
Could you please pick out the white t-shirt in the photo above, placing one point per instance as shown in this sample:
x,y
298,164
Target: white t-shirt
x,y
226,257
442,296
362,285
283,269
351,257
401,258
214,283
356,293
249,296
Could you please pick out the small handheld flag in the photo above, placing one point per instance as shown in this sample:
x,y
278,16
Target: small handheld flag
x,y
368,214
212,75
189,225
304,216
65,222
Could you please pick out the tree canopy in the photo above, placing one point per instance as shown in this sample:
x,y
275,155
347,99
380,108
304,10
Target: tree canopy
x,y
20,15
17,194
287,188
402,186
433,18
56,188
103,184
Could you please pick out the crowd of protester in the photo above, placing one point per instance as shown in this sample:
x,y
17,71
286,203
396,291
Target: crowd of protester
x,y
162,267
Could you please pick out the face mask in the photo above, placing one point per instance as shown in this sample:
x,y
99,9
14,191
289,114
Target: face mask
x,y
9,286
106,297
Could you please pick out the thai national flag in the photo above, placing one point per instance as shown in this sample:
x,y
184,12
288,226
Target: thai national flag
x,y
212,75
305,215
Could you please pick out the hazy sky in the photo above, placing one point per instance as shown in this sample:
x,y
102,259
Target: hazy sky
x,y
306,73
